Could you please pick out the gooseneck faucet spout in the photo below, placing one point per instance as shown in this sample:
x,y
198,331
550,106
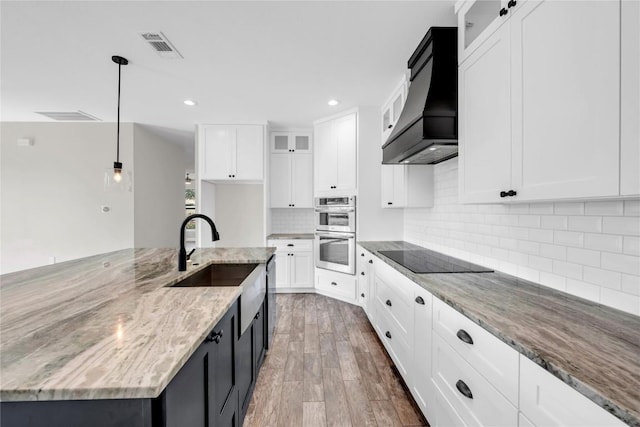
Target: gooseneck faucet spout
x,y
182,255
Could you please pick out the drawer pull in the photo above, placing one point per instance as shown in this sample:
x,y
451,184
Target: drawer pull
x,y
370,261
388,334
290,244
464,389
362,254
334,283
464,336
362,273
362,295
419,300
388,302
215,336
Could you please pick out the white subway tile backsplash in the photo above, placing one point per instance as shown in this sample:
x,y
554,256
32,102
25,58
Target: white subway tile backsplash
x,y
292,220
631,245
584,256
620,300
631,284
572,208
583,290
558,222
632,207
585,248
606,278
610,208
585,223
529,221
603,242
621,225
568,238
567,269
553,251
623,263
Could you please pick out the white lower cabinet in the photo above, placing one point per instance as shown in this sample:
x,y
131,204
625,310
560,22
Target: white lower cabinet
x,y
444,415
472,396
547,401
364,273
294,264
420,379
336,285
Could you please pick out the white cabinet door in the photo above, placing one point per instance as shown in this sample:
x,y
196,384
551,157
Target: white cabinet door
x,y
547,401
282,269
630,101
421,385
301,180
301,143
566,99
302,270
218,152
326,167
248,156
485,121
280,142
345,136
387,185
280,181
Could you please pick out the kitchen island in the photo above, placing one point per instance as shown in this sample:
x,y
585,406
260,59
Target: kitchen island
x,y
110,327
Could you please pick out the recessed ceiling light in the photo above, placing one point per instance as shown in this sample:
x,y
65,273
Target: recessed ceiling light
x,y
333,102
190,102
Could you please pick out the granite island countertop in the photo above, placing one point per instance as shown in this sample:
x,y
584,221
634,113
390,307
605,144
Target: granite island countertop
x,y
108,326
593,348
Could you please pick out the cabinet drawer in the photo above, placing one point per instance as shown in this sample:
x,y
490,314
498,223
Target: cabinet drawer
x,y
547,401
445,415
393,340
345,287
484,405
497,362
399,283
291,244
396,306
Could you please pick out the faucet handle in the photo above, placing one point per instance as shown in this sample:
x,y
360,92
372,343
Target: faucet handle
x,y
190,253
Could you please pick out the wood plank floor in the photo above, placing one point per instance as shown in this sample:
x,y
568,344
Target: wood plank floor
x,y
327,367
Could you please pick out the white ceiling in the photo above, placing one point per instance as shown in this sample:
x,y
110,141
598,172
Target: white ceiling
x,y
243,61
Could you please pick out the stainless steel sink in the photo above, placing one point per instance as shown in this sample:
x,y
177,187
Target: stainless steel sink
x,y
218,275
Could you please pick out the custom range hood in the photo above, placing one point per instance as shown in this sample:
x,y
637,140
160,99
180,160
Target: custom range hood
x,y
427,130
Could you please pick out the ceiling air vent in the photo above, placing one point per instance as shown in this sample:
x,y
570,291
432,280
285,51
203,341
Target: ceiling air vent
x,y
160,44
69,116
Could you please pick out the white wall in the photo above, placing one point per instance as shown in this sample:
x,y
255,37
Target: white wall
x,y
589,249
237,210
52,193
159,190
374,222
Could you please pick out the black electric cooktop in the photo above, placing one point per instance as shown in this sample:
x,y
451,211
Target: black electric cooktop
x,y
424,261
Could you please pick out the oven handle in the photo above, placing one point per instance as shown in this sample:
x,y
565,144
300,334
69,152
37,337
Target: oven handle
x,y
335,210
345,235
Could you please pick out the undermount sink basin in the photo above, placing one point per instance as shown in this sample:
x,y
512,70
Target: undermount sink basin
x,y
218,275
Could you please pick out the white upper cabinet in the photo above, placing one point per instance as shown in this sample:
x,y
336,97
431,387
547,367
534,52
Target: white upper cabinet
x,y
291,173
231,152
407,186
537,119
484,117
335,156
630,99
392,109
291,142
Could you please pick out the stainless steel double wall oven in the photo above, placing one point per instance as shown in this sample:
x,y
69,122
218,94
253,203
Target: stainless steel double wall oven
x,y
335,240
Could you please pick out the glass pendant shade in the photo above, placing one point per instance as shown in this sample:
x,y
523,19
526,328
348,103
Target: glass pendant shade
x,y
117,179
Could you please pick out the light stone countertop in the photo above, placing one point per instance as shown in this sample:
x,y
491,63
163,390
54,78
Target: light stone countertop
x,y
292,236
108,326
593,348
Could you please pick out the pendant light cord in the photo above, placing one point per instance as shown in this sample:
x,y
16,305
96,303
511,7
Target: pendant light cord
x,y
118,131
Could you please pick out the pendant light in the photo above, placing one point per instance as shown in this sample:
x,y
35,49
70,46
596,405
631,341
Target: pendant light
x,y
117,179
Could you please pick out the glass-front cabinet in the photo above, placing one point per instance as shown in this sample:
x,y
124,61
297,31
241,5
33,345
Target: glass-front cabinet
x,y
392,109
291,142
477,20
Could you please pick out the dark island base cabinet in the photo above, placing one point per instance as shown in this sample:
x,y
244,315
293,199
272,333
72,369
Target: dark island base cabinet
x,y
213,389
